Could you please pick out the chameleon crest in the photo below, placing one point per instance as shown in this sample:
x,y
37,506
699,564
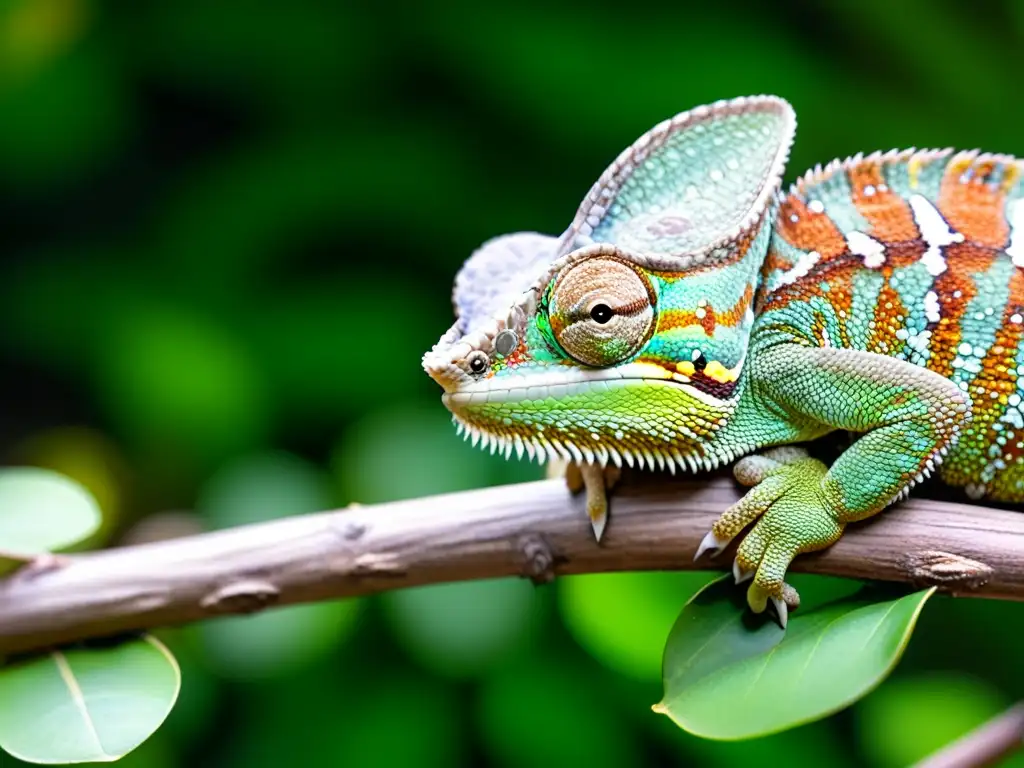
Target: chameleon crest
x,y
623,340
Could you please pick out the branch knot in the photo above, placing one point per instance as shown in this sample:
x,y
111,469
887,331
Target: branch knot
x,y
944,569
247,596
538,558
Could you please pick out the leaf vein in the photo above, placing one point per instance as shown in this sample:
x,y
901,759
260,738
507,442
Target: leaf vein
x,y
78,697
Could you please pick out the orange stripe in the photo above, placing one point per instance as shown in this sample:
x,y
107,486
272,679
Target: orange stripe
x,y
839,276
955,288
681,318
883,336
811,231
973,205
891,218
998,373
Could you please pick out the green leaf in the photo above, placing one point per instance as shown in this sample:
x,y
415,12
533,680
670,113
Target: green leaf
x,y
86,704
731,675
43,511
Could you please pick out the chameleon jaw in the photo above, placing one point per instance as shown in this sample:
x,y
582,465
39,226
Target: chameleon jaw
x,y
643,423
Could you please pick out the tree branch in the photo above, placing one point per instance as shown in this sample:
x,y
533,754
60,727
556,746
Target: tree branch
x,y
534,530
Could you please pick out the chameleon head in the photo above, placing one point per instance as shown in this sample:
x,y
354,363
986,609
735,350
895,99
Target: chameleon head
x,y
622,341
590,365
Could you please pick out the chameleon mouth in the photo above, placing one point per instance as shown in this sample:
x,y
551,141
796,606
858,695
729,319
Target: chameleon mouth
x,y
595,419
567,381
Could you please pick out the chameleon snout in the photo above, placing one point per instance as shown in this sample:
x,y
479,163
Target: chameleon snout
x,y
460,360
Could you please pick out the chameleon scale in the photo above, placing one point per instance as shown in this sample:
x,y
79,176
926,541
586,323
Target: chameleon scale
x,y
691,315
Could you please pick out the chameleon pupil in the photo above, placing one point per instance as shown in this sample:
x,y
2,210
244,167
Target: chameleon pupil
x,y
601,313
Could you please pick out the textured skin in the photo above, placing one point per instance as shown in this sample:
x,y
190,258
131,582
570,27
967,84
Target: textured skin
x,y
690,315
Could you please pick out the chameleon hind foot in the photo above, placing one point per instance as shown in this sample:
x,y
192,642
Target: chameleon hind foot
x,y
597,481
788,502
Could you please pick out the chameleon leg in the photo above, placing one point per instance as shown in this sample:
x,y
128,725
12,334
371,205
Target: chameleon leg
x,y
570,471
910,418
597,481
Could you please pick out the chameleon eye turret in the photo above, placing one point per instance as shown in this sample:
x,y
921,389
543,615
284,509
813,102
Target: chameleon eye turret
x,y
601,311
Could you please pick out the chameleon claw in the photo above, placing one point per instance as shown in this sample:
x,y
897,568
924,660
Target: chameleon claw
x,y
781,610
593,478
739,574
711,543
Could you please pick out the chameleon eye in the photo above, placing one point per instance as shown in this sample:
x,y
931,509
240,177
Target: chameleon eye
x,y
478,362
699,361
601,311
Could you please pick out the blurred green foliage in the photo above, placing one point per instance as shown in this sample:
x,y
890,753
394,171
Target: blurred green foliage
x,y
229,233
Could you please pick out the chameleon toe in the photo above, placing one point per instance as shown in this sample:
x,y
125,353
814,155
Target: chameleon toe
x,y
739,574
598,522
781,610
711,543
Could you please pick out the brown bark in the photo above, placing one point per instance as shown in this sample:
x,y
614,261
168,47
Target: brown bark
x,y
534,530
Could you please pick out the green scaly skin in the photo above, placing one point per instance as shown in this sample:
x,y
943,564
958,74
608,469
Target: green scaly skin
x,y
691,315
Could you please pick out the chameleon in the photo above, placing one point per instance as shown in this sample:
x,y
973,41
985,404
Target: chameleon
x,y
693,315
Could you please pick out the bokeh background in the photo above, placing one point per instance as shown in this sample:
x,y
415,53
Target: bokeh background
x,y
227,234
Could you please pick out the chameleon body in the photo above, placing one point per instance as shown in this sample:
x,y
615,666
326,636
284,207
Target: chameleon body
x,y
692,315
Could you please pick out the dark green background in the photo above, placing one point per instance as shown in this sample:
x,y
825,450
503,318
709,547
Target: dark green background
x,y
228,234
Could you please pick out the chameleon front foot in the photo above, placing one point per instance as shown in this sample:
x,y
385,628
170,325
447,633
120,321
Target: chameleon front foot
x,y
793,516
597,481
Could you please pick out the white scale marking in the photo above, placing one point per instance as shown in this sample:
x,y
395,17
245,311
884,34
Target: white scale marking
x,y
931,307
865,246
919,342
935,231
1016,247
801,268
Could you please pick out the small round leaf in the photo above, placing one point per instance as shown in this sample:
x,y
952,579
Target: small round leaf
x,y
86,704
731,675
43,511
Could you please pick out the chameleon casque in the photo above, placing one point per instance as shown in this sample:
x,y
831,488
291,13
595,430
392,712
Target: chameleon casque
x,y
691,315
